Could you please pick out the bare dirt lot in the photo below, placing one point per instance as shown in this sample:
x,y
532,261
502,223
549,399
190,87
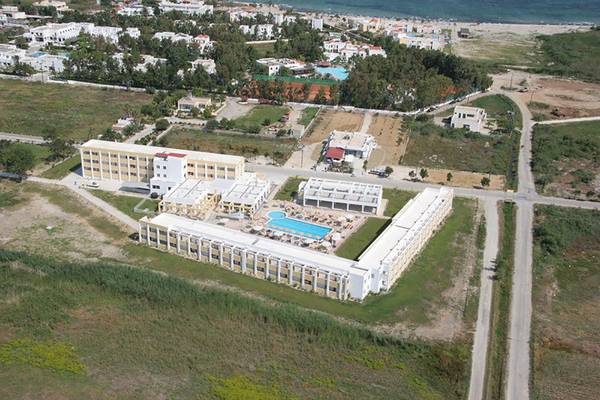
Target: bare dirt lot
x,y
465,178
38,224
554,98
391,140
329,120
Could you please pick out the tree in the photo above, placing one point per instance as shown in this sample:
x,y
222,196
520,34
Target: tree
x,y
111,136
212,124
17,158
60,148
485,181
162,124
412,174
195,111
423,173
266,122
449,177
389,170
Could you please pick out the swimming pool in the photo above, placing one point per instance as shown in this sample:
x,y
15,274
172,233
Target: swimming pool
x,y
338,73
278,220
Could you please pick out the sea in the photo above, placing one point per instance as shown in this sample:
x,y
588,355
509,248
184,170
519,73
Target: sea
x,y
515,11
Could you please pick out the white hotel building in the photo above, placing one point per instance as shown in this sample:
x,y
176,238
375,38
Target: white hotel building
x,y
341,195
376,270
157,167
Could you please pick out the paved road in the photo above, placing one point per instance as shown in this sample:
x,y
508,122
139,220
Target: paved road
x,y
70,183
13,137
148,129
570,120
482,329
520,308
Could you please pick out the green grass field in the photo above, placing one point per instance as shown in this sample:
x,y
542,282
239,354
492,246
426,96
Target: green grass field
x,y
308,114
498,107
362,238
566,159
63,168
566,300
263,49
126,204
278,149
396,199
477,154
86,330
258,115
72,112
289,189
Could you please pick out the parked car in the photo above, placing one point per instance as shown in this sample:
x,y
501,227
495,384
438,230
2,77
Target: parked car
x,y
92,184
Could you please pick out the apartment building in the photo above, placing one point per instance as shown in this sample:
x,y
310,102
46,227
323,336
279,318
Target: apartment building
x,y
195,7
156,166
376,270
341,195
305,269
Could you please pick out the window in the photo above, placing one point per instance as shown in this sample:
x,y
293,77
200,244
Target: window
x,y
155,187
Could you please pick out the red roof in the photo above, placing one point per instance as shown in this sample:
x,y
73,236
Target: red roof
x,y
165,155
335,153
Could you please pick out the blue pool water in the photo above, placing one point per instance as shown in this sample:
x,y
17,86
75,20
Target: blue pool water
x,y
38,54
338,73
279,221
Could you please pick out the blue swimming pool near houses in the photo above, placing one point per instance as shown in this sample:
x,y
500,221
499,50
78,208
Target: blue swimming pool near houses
x,y
278,220
338,73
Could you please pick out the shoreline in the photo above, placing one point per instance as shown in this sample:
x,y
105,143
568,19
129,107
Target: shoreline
x,y
406,17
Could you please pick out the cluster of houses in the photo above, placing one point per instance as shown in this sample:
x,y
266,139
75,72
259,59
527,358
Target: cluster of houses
x,y
344,50
411,34
190,7
11,55
274,66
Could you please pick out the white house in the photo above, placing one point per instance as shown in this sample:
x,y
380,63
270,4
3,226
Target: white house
x,y
346,50
207,64
12,12
194,7
296,67
173,37
317,23
357,144
9,55
471,118
56,34
45,62
57,4
136,10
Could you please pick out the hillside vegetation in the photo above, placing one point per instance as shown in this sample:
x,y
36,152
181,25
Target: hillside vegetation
x,y
575,54
74,330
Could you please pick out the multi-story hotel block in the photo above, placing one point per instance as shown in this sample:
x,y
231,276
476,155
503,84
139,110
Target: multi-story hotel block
x,y
376,270
159,167
263,258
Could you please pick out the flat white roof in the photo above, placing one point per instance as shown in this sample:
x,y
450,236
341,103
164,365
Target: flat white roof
x,y
342,191
404,226
248,190
192,191
350,140
471,110
152,150
300,255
